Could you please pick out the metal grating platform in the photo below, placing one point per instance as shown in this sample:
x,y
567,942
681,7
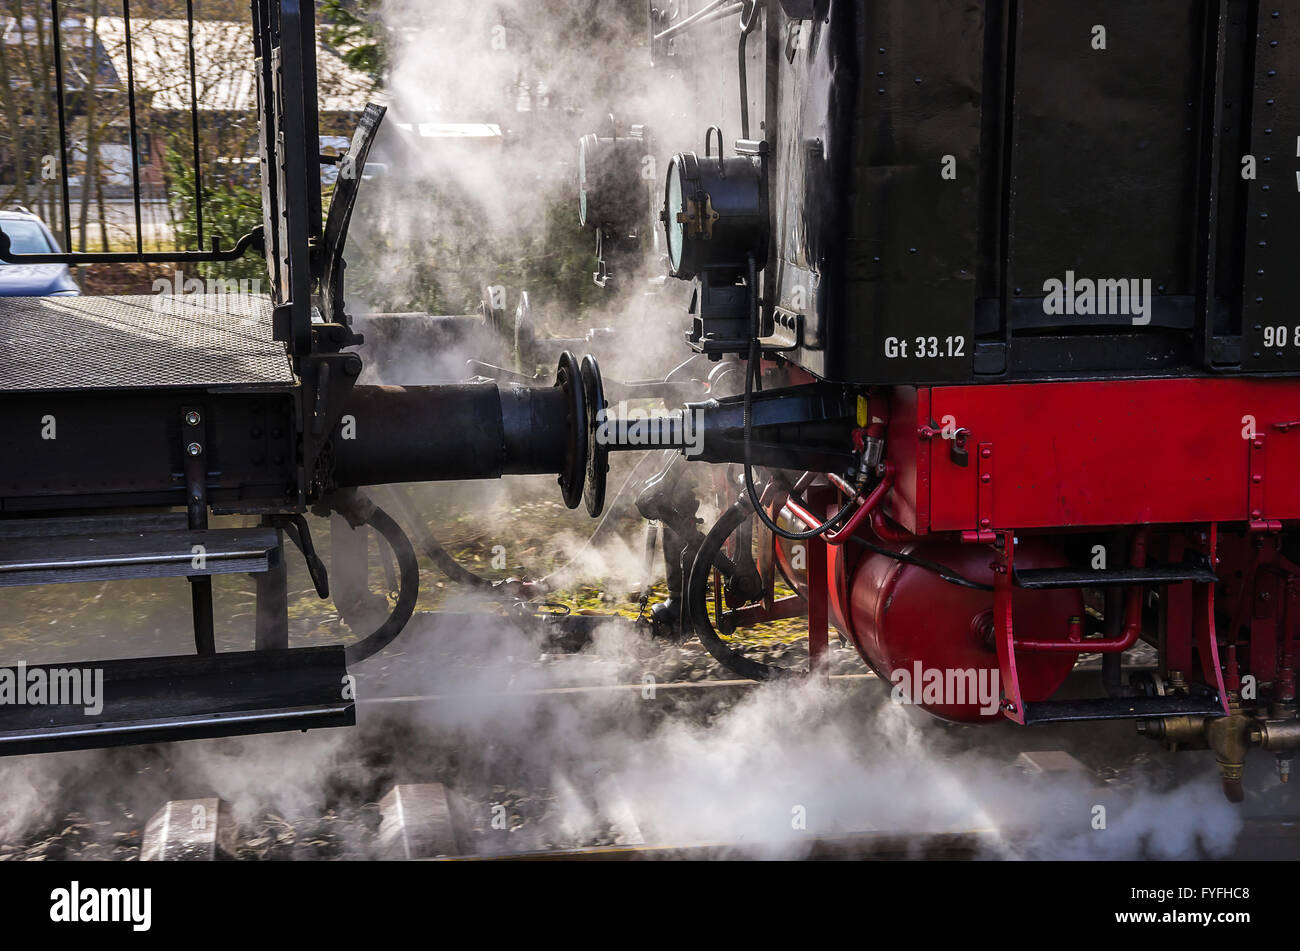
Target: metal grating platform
x,y
62,343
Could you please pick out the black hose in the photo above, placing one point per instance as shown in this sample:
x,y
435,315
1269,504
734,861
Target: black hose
x,y
943,571
359,510
442,559
697,593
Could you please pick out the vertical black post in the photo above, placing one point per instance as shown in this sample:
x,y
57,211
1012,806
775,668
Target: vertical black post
x,y
135,132
194,450
63,123
271,631
194,127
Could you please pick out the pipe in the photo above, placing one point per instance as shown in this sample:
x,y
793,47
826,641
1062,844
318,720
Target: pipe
x,y
887,530
869,505
449,432
697,588
1132,616
715,10
359,510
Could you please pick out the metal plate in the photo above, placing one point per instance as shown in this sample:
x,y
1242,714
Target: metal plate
x,y
117,555
200,340
1271,330
160,699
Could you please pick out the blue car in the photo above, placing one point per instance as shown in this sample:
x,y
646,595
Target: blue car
x,y
28,235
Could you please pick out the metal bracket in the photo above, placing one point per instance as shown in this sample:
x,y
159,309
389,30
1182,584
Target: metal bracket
x,y
699,223
984,506
1255,490
194,451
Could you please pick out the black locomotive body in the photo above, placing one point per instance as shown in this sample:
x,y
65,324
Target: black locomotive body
x,y
936,166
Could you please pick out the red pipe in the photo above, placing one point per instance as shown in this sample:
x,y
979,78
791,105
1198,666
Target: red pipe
x,y
869,505
888,530
884,527
1132,617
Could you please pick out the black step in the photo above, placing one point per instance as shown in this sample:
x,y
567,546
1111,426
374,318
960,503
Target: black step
x,y
1040,578
113,556
160,699
1122,708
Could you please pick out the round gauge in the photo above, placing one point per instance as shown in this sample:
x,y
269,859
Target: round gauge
x,y
674,213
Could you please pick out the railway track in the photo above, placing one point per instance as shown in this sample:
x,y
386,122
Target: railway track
x,y
478,776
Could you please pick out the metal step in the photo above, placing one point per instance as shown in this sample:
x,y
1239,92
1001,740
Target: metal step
x,y
1039,578
1121,708
160,699
117,555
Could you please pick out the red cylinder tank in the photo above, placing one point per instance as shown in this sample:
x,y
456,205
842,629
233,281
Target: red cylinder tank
x,y
933,640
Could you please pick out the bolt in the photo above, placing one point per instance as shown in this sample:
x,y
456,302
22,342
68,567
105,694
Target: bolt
x,y
194,449
192,418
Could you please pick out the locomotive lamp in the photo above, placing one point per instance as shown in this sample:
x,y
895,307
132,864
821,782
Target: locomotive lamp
x,y
612,196
610,192
716,230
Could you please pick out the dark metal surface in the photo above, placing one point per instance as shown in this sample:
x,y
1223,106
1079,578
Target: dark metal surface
x,y
1122,163
115,556
154,341
1123,708
1035,579
453,431
122,448
1272,245
161,699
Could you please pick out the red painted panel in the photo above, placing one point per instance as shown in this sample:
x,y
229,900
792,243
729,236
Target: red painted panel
x,y
1114,453
908,503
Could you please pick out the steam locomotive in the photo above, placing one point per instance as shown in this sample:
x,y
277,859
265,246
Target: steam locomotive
x,y
1031,249
1005,372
